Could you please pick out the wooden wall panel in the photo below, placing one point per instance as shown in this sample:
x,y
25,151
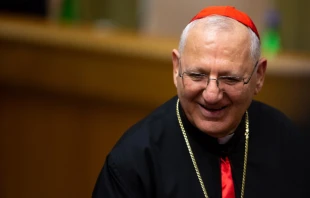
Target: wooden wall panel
x,y
66,96
55,145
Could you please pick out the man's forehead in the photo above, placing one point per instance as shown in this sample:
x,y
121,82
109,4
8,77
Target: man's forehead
x,y
203,36
218,23
225,46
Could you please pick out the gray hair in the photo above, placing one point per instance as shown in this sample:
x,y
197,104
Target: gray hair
x,y
221,23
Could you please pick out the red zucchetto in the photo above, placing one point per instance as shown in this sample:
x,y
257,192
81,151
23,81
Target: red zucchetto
x,y
227,11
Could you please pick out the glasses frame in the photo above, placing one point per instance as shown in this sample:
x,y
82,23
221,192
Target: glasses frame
x,y
181,74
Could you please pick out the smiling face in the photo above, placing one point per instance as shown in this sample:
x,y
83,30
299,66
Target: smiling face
x,y
216,53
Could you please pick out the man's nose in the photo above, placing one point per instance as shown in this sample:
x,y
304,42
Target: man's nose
x,y
212,93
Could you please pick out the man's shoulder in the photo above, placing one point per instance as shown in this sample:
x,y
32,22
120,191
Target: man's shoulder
x,y
270,120
145,147
148,131
265,112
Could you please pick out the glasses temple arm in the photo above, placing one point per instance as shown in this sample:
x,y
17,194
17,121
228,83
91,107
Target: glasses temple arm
x,y
251,73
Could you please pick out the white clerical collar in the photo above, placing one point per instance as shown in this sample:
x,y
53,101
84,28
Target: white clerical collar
x,y
225,139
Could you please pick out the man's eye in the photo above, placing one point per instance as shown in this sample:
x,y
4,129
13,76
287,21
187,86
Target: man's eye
x,y
196,76
230,80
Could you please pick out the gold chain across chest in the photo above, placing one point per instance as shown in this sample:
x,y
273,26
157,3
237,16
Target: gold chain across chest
x,y
246,134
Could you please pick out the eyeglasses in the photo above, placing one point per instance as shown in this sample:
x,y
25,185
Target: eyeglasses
x,y
224,83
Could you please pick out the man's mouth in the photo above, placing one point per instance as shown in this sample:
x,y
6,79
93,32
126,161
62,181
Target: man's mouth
x,y
213,109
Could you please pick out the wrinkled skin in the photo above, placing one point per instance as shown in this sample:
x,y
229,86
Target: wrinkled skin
x,y
217,53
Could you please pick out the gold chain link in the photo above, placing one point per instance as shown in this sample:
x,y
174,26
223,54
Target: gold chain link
x,y
194,160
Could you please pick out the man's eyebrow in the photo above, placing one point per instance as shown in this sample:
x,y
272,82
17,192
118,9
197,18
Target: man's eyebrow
x,y
230,72
202,70
198,69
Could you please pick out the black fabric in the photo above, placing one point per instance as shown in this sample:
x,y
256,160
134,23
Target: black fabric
x,y
151,160
32,7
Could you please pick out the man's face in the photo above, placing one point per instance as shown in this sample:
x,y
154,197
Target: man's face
x,y
215,54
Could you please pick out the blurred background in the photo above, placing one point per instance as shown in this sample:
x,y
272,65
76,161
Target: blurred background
x,y
75,74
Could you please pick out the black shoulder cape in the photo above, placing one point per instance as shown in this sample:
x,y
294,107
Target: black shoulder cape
x,y
151,159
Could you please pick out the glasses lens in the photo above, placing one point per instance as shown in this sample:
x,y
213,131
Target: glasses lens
x,y
231,88
229,85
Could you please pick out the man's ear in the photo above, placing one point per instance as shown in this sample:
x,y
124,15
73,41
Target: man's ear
x,y
260,75
175,62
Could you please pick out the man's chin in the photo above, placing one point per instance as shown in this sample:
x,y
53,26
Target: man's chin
x,y
214,129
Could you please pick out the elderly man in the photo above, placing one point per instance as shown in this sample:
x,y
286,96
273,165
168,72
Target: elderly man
x,y
212,140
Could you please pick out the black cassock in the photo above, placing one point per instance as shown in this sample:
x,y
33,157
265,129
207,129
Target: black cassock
x,y
151,160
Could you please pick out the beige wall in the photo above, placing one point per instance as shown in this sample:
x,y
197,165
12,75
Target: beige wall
x,y
163,17
295,26
168,18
